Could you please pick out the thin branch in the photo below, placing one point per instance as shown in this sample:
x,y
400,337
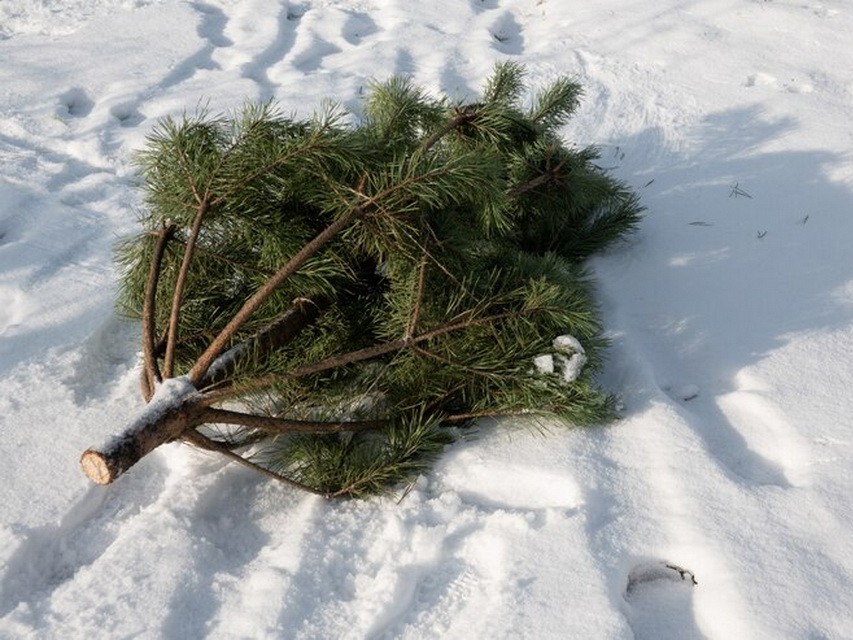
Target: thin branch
x,y
394,345
180,283
274,336
350,358
260,296
185,163
235,142
227,389
543,178
205,203
203,442
463,116
151,370
436,261
472,370
282,425
221,394
464,417
419,295
145,384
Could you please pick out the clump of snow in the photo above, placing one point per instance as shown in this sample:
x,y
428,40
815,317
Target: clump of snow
x,y
567,345
571,366
544,363
571,356
568,361
226,360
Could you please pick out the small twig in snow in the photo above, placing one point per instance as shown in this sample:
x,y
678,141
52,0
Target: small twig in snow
x,y
737,191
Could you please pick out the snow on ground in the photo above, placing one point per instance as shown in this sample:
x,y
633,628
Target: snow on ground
x,y
731,314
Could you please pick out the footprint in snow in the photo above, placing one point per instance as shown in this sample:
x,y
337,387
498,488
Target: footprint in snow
x,y
684,393
766,431
748,440
75,103
506,33
357,26
659,602
212,25
760,79
295,12
126,114
485,5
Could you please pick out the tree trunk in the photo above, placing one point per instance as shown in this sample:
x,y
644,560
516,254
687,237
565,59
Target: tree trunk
x,y
267,341
175,408
172,411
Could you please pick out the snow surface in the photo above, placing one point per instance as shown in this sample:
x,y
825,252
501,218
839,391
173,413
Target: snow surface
x,y
731,314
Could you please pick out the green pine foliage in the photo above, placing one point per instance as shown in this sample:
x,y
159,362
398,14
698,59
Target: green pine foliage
x,y
455,258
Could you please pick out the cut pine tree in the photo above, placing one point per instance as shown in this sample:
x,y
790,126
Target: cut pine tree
x,y
321,299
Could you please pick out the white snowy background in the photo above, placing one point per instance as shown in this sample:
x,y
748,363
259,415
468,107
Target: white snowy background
x,y
731,315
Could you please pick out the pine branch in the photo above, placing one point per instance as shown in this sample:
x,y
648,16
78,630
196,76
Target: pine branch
x,y
265,342
264,170
396,345
253,303
506,83
456,365
464,115
475,415
555,104
151,370
202,251
281,425
221,394
419,295
180,283
185,163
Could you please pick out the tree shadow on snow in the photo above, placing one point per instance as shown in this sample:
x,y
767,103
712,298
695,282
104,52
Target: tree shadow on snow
x,y
227,540
741,249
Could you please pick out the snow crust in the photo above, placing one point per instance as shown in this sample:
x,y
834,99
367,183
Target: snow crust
x,y
730,312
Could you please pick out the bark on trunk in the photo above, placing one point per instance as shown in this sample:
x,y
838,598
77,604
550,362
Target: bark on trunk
x,y
160,422
267,341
